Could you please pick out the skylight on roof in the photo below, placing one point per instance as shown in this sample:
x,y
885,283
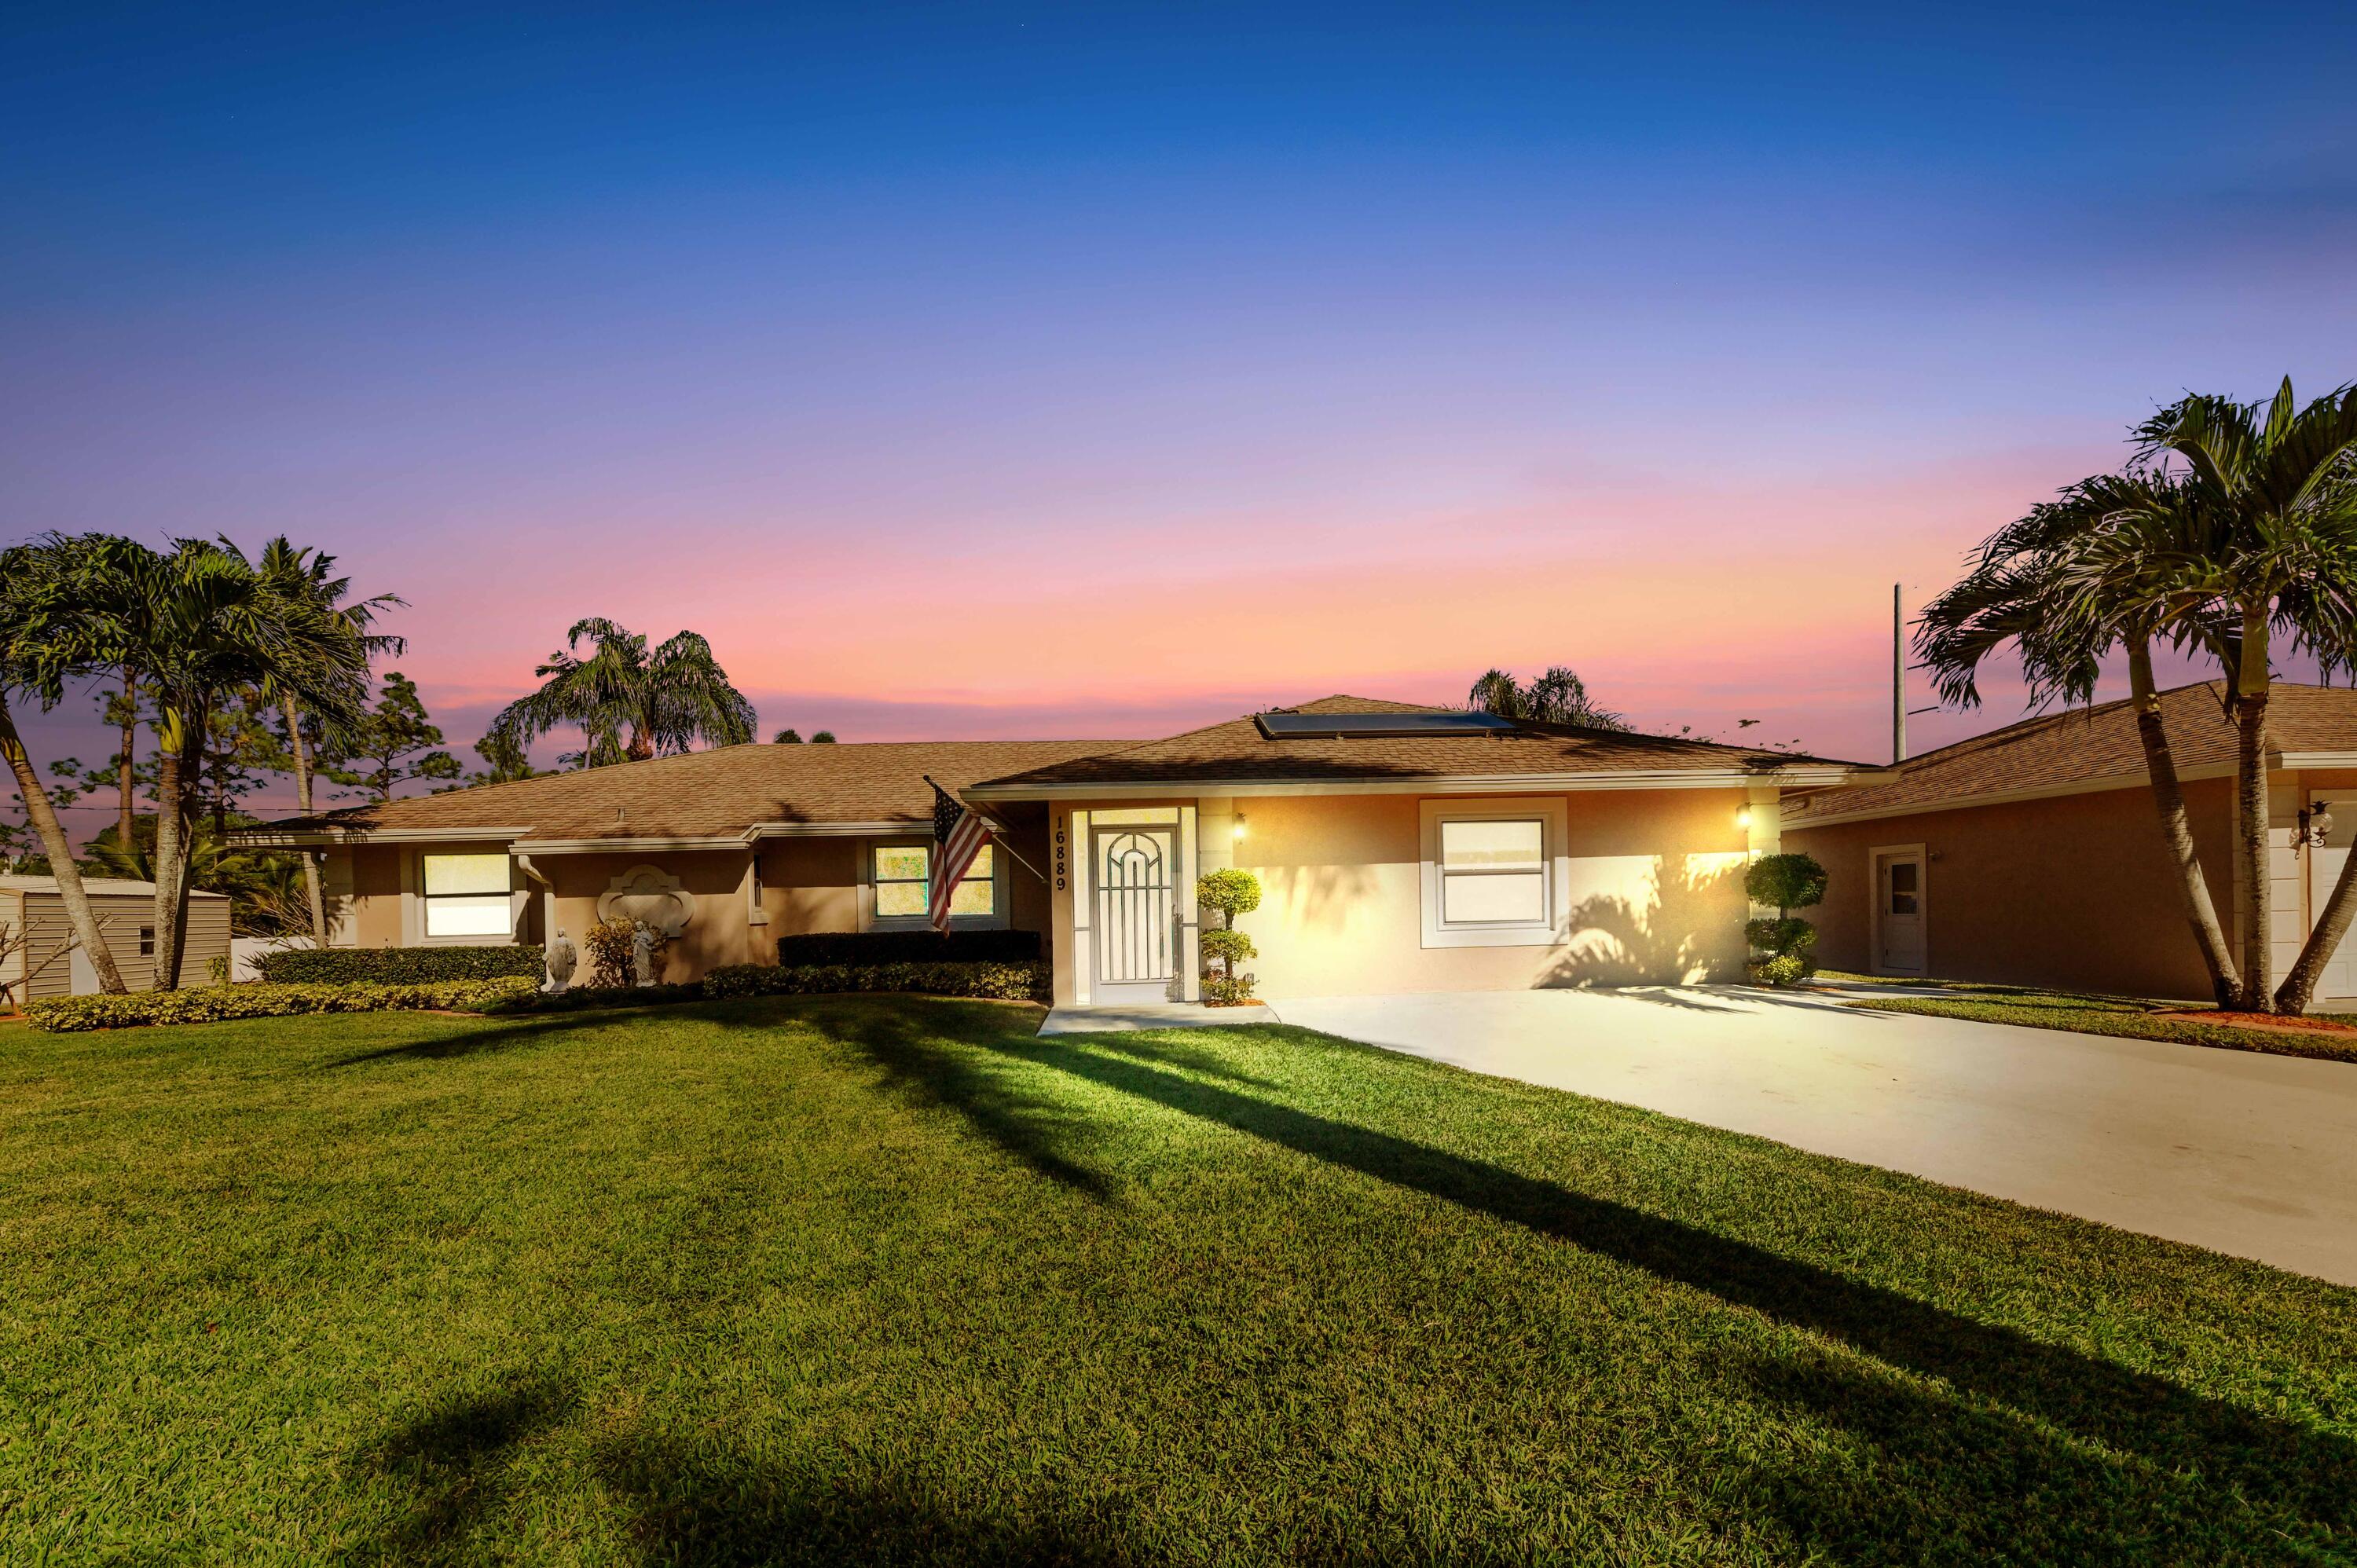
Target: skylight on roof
x,y
1356,726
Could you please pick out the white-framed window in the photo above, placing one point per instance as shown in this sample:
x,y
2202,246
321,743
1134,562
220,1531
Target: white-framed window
x,y
1493,871
465,897
900,884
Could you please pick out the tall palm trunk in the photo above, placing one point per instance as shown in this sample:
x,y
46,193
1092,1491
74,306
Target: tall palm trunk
x,y
220,798
2251,689
43,819
126,818
311,889
2200,912
191,796
171,806
2298,988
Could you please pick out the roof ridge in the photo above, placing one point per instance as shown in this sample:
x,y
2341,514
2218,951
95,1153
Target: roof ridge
x,y
2030,724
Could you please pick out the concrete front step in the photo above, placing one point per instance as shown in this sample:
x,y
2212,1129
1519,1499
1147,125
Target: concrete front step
x,y
1151,1015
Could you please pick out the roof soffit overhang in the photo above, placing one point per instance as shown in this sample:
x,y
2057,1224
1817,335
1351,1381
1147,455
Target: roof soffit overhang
x,y
1814,776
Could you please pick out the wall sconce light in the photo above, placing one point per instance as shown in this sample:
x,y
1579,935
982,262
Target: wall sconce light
x,y
2315,825
1238,831
1743,816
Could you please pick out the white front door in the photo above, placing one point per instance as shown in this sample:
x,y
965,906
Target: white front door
x,y
81,975
1899,911
2324,864
1136,896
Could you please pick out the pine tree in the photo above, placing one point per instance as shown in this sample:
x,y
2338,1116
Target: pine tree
x,y
395,742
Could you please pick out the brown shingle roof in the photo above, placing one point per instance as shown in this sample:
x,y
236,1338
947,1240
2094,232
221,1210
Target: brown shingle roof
x,y
2056,751
1238,751
709,794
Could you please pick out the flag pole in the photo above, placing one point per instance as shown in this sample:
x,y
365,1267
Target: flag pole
x,y
998,826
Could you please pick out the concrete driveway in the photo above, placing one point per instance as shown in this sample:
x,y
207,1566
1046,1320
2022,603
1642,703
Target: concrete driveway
x,y
2250,1155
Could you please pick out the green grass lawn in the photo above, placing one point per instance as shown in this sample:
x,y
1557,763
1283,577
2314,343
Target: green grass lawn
x,y
2091,1014
825,1279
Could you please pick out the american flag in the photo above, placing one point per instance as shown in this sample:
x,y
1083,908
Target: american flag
x,y
958,837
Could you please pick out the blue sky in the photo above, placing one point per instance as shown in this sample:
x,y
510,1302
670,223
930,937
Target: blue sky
x,y
904,351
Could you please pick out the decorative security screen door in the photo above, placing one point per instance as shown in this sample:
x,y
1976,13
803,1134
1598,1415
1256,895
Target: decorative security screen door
x,y
1135,897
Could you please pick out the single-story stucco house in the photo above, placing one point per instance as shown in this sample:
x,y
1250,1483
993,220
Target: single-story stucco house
x,y
51,963
727,850
2034,855
1400,848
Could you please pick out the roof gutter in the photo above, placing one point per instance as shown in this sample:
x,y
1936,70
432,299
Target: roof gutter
x,y
267,835
1434,784
2038,793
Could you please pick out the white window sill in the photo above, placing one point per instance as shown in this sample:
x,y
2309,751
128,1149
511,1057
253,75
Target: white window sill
x,y
1492,937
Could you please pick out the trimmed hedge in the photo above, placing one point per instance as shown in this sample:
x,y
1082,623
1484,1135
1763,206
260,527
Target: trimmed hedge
x,y
906,946
520,994
397,966
217,1003
1001,982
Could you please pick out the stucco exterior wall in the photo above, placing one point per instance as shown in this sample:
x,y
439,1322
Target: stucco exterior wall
x,y
2073,890
1655,885
807,884
719,933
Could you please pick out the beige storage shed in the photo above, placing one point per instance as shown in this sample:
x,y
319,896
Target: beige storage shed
x,y
52,964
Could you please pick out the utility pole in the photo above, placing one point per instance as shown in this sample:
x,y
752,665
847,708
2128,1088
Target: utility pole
x,y
1898,676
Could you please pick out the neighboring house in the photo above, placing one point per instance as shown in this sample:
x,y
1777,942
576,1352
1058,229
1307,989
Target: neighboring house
x,y
2034,854
727,849
1407,848
53,965
1400,848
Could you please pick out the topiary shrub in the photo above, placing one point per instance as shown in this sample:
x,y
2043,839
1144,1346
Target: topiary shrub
x,y
1786,945
395,966
1229,893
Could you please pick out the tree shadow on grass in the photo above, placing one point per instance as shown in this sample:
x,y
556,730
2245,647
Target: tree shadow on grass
x,y
1160,1049
923,1067
491,1035
1919,1473
455,1460
2257,1469
705,1505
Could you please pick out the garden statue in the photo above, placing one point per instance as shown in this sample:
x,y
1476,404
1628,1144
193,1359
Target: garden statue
x,y
561,960
642,955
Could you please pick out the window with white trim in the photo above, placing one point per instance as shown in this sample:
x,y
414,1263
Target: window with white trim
x,y
465,895
1493,871
902,875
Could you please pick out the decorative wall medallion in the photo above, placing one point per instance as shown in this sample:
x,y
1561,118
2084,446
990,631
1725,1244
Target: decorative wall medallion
x,y
649,893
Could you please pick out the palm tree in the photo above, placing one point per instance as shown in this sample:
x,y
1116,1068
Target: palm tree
x,y
265,891
2075,581
2282,479
41,601
1558,697
667,700
204,623
305,579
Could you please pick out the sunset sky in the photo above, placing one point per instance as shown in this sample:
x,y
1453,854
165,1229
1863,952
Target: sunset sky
x,y
1006,369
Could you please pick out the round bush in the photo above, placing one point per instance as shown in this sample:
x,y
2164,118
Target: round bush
x,y
1785,882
